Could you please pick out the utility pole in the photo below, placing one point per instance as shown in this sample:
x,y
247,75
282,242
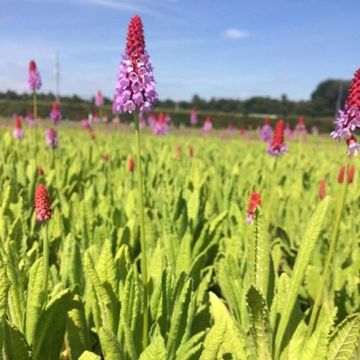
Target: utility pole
x,y
57,76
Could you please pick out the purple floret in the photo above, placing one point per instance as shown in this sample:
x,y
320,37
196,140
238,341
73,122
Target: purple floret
x,y
266,133
135,88
51,138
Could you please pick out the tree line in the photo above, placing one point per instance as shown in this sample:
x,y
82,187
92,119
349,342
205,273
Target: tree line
x,y
325,99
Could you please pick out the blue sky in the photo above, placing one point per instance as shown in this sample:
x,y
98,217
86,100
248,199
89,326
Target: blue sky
x,y
228,48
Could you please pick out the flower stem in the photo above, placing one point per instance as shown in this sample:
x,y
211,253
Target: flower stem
x,y
36,128
45,262
142,232
35,105
271,188
52,151
333,242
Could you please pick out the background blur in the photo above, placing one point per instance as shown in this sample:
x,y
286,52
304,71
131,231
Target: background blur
x,y
285,58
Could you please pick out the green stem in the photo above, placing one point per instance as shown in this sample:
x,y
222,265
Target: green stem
x,y
131,181
45,262
35,106
52,158
142,232
329,256
271,189
36,125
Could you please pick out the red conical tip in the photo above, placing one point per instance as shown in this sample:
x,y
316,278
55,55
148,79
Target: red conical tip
x,y
131,164
351,173
353,98
17,122
135,42
191,151
40,170
341,174
55,105
161,118
178,150
279,132
254,203
322,189
32,65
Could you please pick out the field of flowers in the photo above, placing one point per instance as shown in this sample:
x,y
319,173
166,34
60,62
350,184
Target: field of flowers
x,y
219,287
142,241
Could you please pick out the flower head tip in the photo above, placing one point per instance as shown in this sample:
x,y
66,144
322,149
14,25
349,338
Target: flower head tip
x,y
42,204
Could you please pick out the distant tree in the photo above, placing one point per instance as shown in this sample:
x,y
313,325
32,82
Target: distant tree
x,y
76,98
327,95
265,105
199,103
167,103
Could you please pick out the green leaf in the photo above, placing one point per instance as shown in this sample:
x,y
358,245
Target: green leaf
x,y
229,276
106,268
296,343
71,266
281,291
50,329
213,341
317,346
110,345
122,262
35,299
297,276
87,355
16,295
259,324
4,289
108,309
15,346
179,317
183,259
130,310
234,339
77,331
156,350
345,339
193,205
217,221
190,347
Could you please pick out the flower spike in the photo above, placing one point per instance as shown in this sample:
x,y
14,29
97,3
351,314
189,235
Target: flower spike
x,y
135,84
42,204
254,203
277,145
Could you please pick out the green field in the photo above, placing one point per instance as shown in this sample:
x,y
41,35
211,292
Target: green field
x,y
219,287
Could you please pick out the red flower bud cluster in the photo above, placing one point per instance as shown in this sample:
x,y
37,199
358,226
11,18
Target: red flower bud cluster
x,y
322,189
254,203
42,204
131,164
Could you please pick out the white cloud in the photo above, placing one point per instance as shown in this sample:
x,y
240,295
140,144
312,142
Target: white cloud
x,y
235,34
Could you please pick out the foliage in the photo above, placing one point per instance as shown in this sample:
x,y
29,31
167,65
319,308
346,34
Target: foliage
x,y
220,288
